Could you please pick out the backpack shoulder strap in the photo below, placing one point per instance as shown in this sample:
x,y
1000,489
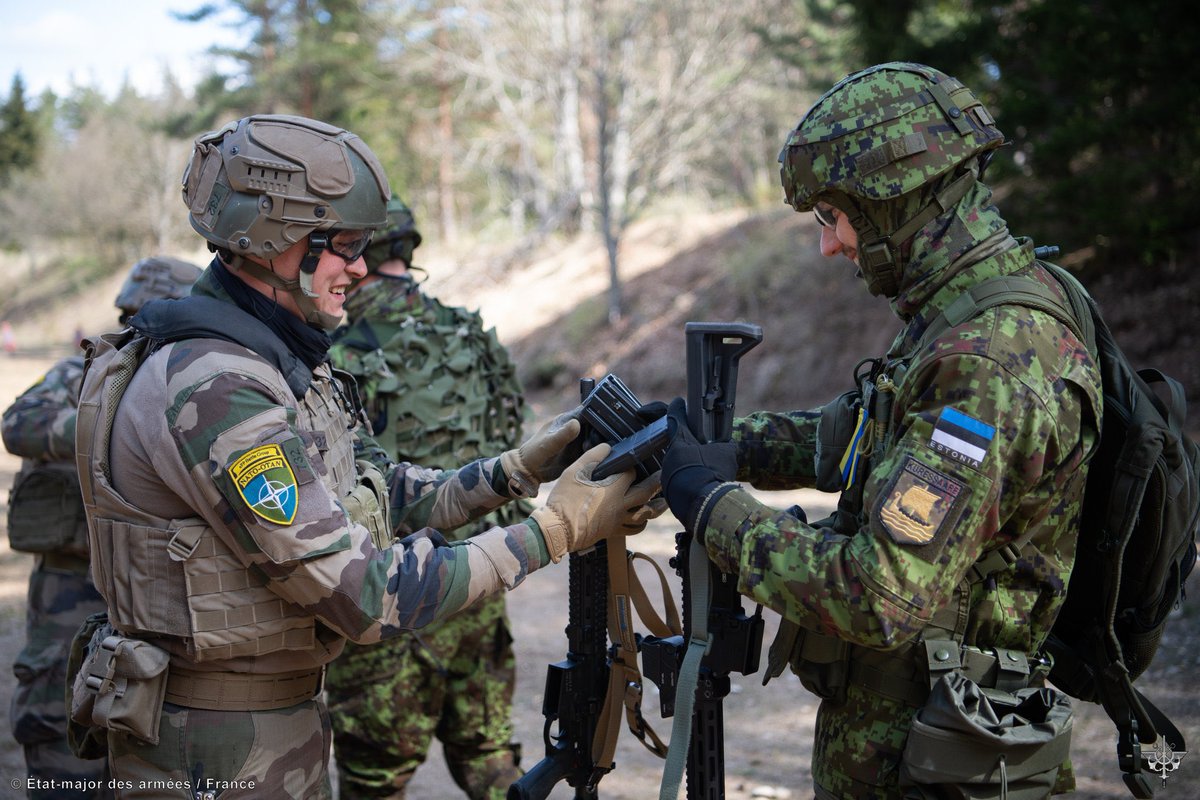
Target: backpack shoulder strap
x,y
1076,313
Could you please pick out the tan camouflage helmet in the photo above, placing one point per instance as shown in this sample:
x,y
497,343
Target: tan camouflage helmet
x,y
263,183
397,240
892,146
155,278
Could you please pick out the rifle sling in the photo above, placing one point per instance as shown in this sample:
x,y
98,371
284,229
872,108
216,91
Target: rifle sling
x,y
689,672
624,677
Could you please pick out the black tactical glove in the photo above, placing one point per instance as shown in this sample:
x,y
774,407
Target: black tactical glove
x,y
692,471
652,411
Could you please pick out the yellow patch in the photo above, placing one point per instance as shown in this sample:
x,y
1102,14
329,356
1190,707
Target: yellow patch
x,y
265,480
918,504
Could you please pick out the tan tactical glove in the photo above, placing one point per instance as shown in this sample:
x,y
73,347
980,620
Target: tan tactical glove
x,y
580,511
543,456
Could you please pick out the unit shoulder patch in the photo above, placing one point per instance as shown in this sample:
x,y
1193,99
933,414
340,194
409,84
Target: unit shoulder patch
x,y
265,480
961,437
919,503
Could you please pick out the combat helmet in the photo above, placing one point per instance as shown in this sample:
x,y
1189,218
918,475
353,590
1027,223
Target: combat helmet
x,y
892,146
260,184
397,240
155,278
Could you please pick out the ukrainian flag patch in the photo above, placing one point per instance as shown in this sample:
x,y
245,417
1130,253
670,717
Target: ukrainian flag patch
x,y
265,480
962,438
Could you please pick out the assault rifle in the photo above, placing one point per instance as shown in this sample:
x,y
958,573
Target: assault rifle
x,y
720,636
576,687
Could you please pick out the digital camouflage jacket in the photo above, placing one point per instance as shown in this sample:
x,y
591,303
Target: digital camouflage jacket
x,y
985,445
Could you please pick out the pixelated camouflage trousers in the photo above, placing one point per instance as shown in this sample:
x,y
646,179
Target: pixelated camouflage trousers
x,y
453,680
231,755
57,603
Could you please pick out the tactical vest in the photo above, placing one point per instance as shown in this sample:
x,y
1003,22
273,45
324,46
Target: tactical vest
x,y
177,577
438,389
855,431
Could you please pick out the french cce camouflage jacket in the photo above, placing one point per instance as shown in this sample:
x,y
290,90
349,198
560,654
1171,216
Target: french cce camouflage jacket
x,y
217,520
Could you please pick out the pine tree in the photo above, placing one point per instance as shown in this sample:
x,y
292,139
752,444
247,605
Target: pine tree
x,y
20,135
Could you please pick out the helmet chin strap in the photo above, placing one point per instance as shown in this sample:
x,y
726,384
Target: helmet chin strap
x,y
304,294
301,289
880,258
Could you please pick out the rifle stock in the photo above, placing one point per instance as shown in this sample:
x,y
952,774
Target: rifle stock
x,y
713,353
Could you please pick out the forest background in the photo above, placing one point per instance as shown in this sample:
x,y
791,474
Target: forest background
x,y
593,173
511,125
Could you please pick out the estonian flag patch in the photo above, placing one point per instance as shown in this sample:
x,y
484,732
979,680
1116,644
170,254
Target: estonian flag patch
x,y
961,438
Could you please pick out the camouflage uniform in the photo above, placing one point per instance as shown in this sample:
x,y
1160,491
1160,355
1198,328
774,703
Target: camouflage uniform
x,y
40,427
197,417
49,520
972,442
438,390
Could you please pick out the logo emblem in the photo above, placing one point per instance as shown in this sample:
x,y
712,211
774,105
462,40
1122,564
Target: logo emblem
x,y
265,480
919,502
1162,759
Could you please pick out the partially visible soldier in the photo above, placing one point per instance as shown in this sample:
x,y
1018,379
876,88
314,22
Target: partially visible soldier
x,y
45,518
439,390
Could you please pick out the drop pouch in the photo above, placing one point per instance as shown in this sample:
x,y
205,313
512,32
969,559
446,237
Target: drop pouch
x,y
970,743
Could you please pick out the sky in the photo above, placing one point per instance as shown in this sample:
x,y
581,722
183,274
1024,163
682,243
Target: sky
x,y
56,44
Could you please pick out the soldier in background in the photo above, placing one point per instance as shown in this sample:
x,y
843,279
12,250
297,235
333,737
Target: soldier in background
x,y
439,390
45,518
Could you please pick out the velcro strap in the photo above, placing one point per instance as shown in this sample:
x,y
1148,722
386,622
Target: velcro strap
x,y
240,691
951,106
890,152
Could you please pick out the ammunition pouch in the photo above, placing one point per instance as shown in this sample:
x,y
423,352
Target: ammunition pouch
x,y
120,685
969,742
45,511
367,504
87,740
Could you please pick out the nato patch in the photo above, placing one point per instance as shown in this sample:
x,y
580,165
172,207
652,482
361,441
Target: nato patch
x,y
265,480
919,503
962,438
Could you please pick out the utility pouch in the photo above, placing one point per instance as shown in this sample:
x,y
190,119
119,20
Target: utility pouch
x,y
821,662
45,511
841,435
121,685
86,739
969,743
367,504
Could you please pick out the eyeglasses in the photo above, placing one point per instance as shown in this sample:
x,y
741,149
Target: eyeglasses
x,y
825,215
346,245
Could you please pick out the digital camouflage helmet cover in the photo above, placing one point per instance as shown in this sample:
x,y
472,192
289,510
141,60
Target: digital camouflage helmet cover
x,y
397,240
263,183
892,147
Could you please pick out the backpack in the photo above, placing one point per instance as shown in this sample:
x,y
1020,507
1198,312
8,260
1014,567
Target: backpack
x,y
1137,540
